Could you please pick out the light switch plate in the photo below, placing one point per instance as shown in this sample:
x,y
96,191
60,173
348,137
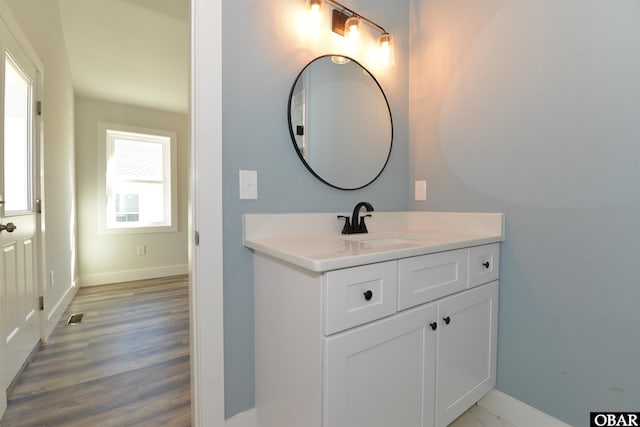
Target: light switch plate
x,y
248,185
421,190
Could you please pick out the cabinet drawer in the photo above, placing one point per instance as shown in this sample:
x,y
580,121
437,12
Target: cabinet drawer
x,y
425,278
484,264
358,295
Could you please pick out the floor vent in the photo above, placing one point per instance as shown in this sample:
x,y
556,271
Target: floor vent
x,y
74,319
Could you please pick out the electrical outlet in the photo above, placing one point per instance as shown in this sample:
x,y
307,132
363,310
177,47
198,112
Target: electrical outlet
x,y
141,250
421,190
248,185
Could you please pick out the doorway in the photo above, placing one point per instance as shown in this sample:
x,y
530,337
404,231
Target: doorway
x,y
205,216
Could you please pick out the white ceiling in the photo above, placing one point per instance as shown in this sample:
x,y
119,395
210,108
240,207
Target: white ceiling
x,y
129,51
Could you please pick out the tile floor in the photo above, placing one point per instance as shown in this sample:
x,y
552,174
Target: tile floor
x,y
477,416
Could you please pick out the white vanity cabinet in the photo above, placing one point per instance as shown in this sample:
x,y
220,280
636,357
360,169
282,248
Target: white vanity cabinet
x,y
402,343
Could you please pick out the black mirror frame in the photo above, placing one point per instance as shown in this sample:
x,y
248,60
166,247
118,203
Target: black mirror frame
x,y
292,133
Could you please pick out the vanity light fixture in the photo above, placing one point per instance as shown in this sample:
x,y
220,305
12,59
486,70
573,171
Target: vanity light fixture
x,y
346,22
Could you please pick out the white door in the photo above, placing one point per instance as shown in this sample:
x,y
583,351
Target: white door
x,y
381,374
466,350
19,286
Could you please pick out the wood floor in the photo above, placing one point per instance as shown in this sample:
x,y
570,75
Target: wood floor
x,y
125,364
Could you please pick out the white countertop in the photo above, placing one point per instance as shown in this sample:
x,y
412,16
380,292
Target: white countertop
x,y
314,242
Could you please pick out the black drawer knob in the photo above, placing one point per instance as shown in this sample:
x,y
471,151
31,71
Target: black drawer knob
x,y
486,264
433,325
447,320
368,295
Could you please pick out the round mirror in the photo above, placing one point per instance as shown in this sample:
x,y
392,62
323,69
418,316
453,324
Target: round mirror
x,y
340,122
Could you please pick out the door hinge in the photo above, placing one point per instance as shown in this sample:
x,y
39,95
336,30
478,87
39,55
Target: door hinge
x,y
41,302
196,238
38,206
39,107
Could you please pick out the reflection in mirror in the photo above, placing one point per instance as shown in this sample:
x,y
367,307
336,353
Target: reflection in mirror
x,y
340,122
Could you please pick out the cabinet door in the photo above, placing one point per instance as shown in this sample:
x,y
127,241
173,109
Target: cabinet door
x,y
466,343
382,374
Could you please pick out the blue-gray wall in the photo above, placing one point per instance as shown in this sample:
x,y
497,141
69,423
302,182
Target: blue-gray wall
x,y
532,108
264,48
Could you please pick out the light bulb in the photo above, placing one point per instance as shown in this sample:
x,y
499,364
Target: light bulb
x,y
351,27
314,15
315,5
385,41
339,59
385,49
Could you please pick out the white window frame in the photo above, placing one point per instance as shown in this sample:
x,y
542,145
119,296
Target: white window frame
x,y
8,56
104,148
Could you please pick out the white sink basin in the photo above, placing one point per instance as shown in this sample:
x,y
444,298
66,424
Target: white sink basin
x,y
380,240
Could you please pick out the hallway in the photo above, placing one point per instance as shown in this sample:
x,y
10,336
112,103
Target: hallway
x,y
126,363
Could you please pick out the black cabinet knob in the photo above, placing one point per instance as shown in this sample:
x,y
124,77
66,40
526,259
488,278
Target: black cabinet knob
x,y
368,295
486,264
433,325
447,320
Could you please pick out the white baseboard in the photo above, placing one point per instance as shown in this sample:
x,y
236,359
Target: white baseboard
x,y
61,306
58,309
129,275
3,403
243,419
517,412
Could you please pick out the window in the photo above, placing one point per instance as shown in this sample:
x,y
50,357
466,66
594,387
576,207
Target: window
x,y
137,180
18,135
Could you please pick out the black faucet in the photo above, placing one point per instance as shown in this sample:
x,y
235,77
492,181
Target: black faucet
x,y
357,224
